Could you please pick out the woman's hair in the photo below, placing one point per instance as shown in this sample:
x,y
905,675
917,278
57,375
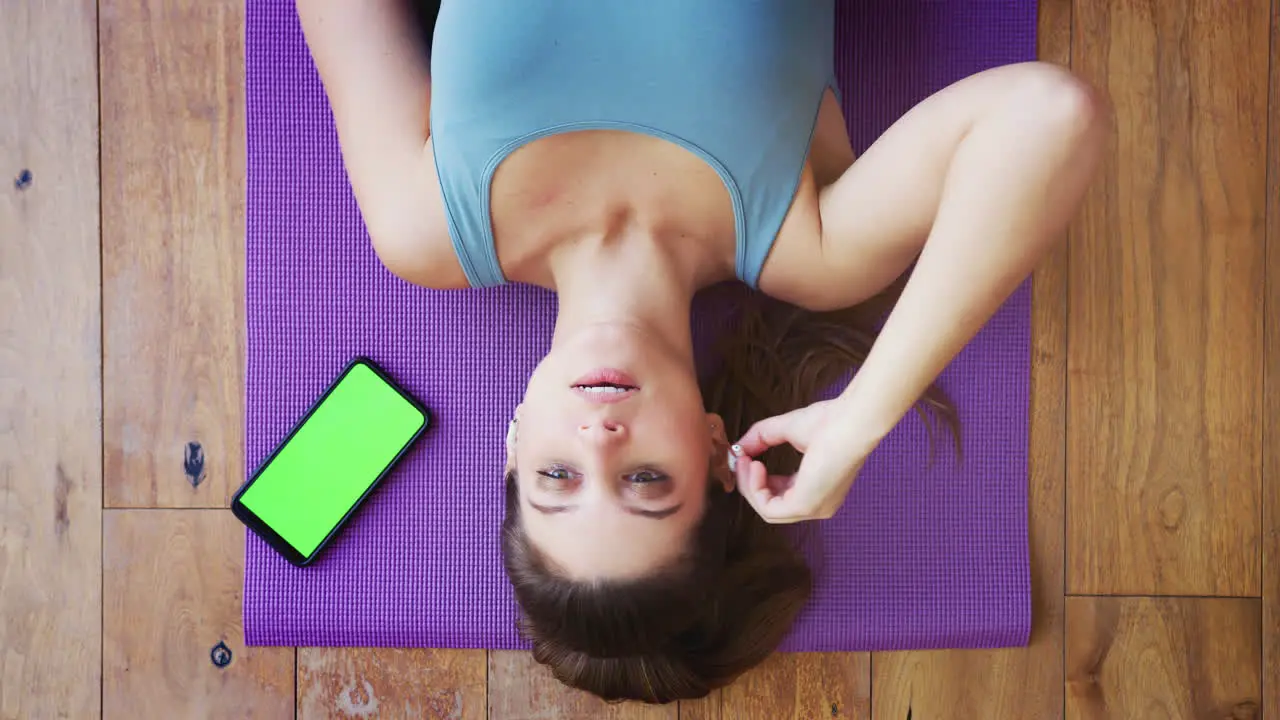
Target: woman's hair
x,y
729,600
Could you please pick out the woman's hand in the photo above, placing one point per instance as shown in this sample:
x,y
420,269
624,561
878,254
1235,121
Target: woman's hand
x,y
833,455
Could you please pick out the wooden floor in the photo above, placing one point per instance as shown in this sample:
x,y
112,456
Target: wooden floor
x,y
1155,432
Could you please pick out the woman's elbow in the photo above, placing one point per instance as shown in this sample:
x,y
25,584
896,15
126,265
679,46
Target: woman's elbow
x,y
1065,105
412,253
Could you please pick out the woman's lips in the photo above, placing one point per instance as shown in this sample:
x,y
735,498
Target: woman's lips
x,y
606,376
603,394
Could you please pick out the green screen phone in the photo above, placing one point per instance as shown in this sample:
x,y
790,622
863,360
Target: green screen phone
x,y
337,454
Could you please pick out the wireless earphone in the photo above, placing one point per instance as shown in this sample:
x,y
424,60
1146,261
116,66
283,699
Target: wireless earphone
x,y
734,452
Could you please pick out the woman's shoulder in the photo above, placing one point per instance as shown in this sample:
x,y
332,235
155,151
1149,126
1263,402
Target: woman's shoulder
x,y
798,269
795,270
409,229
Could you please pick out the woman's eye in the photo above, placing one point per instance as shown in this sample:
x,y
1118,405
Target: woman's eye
x,y
556,474
647,476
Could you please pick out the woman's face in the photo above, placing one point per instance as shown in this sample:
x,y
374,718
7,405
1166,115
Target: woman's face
x,y
613,450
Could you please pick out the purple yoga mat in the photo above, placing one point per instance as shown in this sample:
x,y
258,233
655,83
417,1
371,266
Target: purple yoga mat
x,y
920,557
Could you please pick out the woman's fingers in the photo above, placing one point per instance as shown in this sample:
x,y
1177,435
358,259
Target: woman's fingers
x,y
752,479
774,497
758,487
794,498
807,495
769,433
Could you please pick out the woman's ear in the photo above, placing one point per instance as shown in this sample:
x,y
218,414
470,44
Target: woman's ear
x,y
720,453
510,446
716,424
513,429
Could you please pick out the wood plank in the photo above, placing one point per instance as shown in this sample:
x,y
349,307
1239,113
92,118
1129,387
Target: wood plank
x,y
171,594
173,164
1271,442
391,683
50,362
521,689
1014,682
1162,657
1166,287
787,685
1003,683
798,686
708,708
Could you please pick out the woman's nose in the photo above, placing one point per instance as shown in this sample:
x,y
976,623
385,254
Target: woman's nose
x,y
603,432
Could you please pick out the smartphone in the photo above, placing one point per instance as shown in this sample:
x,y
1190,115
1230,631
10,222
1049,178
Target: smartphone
x,y
317,478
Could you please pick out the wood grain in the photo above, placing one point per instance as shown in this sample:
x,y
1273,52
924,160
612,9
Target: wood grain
x,y
521,689
1162,658
1271,384
391,684
173,164
1166,287
1004,683
708,708
50,363
799,686
1014,682
988,683
171,593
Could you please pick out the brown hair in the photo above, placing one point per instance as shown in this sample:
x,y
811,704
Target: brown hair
x,y
728,602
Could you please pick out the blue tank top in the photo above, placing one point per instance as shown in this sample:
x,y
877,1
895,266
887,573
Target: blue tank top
x,y
736,82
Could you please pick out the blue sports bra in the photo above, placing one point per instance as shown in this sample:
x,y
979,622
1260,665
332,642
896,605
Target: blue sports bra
x,y
736,82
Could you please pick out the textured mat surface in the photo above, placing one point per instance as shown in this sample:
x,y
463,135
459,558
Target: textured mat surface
x,y
918,558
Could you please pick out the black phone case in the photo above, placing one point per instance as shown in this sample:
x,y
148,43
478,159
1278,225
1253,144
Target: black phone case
x,y
263,530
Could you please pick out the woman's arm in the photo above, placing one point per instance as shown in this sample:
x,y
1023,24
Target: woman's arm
x,y
376,73
975,184
1003,161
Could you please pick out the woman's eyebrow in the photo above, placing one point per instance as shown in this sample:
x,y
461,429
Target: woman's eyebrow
x,y
552,509
656,514
651,514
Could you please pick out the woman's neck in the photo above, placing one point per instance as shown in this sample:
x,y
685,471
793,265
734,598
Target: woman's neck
x,y
623,281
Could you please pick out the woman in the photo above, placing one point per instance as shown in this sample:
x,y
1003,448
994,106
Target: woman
x,y
626,155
